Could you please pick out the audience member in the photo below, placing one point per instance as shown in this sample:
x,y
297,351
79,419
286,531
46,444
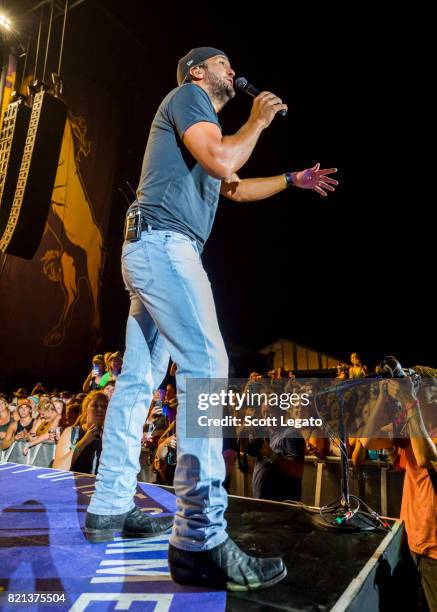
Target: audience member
x,y
357,369
155,425
46,427
13,409
72,412
164,462
107,357
39,389
59,405
94,378
34,401
20,394
166,453
342,371
109,389
80,446
419,460
279,463
114,369
20,429
5,417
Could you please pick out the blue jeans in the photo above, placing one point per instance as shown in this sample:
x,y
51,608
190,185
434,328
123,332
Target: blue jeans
x,y
172,313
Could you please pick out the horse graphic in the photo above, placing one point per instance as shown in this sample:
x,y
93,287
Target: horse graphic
x,y
72,205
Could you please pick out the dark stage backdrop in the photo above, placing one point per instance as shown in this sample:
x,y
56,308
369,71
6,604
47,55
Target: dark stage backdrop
x,y
349,273
50,306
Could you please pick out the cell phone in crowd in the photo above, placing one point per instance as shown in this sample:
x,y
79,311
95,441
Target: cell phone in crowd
x,y
57,432
96,369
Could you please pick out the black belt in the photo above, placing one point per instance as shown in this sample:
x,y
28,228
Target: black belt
x,y
144,224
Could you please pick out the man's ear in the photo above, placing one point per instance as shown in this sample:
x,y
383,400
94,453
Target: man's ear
x,y
197,73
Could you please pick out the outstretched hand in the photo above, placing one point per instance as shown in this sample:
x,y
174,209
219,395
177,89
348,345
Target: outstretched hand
x,y
402,390
315,179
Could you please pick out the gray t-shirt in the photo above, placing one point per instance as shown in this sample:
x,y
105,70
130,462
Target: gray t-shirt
x,y
175,192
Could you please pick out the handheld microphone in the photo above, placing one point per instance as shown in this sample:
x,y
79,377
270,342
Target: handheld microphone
x,y
242,84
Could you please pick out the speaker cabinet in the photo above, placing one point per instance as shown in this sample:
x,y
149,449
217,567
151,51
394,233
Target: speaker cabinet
x,y
25,226
12,139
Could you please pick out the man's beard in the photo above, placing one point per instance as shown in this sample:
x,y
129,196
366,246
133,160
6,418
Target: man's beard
x,y
219,89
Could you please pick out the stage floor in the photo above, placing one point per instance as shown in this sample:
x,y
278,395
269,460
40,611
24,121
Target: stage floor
x,y
43,550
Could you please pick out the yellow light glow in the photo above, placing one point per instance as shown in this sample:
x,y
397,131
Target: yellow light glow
x,y
5,23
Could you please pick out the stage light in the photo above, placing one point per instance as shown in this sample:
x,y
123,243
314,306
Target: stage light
x,y
10,34
5,23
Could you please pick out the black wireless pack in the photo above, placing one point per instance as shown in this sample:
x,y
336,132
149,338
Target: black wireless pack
x,y
133,229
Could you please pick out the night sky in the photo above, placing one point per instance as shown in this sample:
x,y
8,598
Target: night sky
x,y
352,272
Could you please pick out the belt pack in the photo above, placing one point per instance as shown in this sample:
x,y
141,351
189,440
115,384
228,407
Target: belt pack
x,y
135,224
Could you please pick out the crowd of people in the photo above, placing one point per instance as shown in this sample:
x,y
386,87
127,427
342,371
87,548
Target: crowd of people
x,y
59,429
74,423
72,426
33,428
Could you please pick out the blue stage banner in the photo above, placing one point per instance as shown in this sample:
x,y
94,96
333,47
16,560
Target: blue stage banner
x,y
47,564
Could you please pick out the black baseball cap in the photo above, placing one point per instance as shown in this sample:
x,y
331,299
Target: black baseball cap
x,y
193,58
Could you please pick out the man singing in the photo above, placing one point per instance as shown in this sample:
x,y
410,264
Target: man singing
x,y
187,164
